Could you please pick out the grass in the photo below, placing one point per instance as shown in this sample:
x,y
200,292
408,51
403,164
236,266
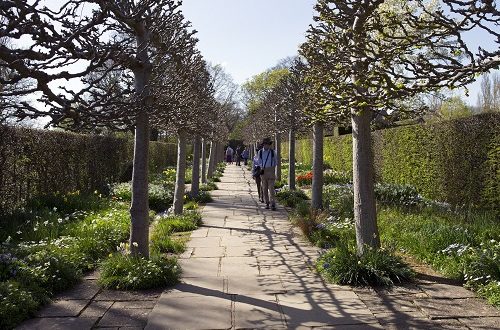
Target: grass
x,y
160,196
463,245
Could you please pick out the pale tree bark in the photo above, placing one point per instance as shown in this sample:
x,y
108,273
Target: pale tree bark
x,y
365,214
317,181
278,156
211,159
180,186
195,178
291,159
203,161
139,208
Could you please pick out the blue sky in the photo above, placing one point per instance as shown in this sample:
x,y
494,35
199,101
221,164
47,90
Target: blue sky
x,y
250,36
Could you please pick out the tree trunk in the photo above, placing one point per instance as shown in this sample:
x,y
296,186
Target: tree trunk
x,y
278,157
211,159
291,159
317,181
365,214
139,208
180,185
195,179
203,161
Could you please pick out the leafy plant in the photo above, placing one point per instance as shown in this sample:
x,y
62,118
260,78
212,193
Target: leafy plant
x,y
125,272
291,198
210,185
203,197
17,304
379,267
160,197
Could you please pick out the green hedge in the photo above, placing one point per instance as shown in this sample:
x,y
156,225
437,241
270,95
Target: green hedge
x,y
456,161
39,162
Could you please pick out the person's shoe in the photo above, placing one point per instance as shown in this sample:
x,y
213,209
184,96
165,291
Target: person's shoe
x,y
273,207
267,206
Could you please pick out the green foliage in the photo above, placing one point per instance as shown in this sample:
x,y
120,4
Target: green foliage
x,y
291,198
160,197
454,161
210,185
339,200
398,195
125,272
36,163
203,197
17,304
455,107
161,235
342,265
336,177
33,271
491,190
464,246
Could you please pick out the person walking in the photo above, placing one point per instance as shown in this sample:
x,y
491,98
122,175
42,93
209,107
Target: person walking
x,y
256,173
267,159
245,154
229,155
237,156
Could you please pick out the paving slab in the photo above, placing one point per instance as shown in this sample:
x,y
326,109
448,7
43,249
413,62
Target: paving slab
x,y
211,312
198,267
120,317
205,285
84,290
63,308
112,295
323,309
209,252
257,312
441,290
243,285
58,323
481,323
96,309
204,242
455,308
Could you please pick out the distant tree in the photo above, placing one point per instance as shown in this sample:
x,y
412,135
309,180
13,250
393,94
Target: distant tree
x,y
455,107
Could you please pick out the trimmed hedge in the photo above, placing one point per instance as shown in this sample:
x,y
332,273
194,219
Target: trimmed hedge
x,y
40,162
456,161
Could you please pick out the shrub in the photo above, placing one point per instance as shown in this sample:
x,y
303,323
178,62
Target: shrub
x,y
210,185
378,267
203,197
332,230
125,272
291,198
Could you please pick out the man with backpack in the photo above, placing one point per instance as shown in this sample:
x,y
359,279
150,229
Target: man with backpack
x,y
267,159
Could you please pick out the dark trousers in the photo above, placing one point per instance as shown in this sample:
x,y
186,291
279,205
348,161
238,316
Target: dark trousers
x,y
258,181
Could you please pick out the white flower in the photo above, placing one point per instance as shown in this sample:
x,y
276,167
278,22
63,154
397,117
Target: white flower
x,y
55,209
135,244
19,232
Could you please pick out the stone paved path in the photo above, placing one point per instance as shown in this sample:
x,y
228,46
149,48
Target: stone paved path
x,y
247,268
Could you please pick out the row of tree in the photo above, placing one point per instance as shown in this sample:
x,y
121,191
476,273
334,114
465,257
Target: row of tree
x,y
368,63
119,65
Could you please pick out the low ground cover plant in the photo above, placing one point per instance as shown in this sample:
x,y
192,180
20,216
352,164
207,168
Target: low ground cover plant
x,y
160,196
461,244
32,271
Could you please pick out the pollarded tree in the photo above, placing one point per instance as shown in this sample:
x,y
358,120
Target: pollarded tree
x,y
115,35
366,56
